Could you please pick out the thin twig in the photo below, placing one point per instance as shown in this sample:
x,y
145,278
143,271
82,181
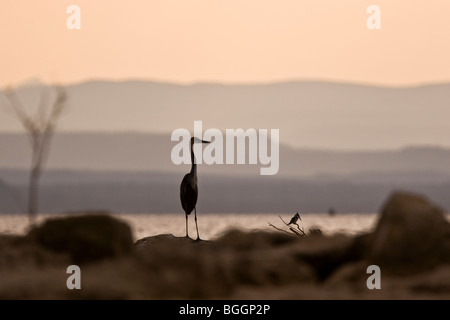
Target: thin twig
x,y
280,229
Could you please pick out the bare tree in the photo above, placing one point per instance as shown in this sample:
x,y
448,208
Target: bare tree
x,y
39,129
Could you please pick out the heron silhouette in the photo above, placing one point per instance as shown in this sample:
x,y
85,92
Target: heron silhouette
x,y
189,190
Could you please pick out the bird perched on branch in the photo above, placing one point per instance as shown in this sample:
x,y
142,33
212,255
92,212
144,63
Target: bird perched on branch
x,y
294,219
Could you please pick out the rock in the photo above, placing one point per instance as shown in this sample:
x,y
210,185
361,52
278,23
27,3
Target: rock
x,y
411,235
263,258
166,239
154,240
17,251
182,268
315,231
350,274
239,240
85,238
325,254
411,244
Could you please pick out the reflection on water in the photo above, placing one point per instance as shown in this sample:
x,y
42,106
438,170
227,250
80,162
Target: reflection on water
x,y
213,225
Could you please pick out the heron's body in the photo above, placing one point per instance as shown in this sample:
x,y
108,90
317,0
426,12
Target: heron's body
x,y
189,190
189,193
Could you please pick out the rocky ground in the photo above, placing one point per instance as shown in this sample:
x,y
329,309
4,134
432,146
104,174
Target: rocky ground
x,y
411,246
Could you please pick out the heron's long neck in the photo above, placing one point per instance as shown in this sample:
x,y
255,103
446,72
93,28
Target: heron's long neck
x,y
193,161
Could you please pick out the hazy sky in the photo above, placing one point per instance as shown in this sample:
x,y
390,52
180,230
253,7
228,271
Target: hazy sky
x,y
230,41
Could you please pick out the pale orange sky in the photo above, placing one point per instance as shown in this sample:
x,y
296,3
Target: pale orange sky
x,y
230,41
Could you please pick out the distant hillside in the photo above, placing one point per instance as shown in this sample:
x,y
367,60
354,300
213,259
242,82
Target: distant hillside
x,y
309,114
155,192
112,166
149,152
10,198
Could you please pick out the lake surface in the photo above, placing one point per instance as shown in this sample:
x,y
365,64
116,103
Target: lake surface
x,y
212,226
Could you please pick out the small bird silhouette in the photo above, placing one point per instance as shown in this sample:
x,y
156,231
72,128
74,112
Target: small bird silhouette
x,y
294,219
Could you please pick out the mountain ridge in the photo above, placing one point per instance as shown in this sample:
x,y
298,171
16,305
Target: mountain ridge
x,y
308,114
151,152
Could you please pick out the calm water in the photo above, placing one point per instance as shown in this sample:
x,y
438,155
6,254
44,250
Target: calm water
x,y
213,225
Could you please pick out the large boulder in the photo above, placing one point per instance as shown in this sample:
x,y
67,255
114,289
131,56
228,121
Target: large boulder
x,y
183,268
412,235
86,237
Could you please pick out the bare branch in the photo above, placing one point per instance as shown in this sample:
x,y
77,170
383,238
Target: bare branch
x,y
41,112
58,107
18,108
280,229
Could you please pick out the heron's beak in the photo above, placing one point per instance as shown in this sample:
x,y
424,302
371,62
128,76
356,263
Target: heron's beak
x,y
197,140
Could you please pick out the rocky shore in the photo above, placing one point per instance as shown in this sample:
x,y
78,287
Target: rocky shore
x,y
410,245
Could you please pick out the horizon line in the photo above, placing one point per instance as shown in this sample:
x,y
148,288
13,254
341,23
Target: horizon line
x,y
34,82
286,145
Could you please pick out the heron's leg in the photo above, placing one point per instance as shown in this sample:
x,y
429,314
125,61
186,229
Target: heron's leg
x,y
187,234
198,237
